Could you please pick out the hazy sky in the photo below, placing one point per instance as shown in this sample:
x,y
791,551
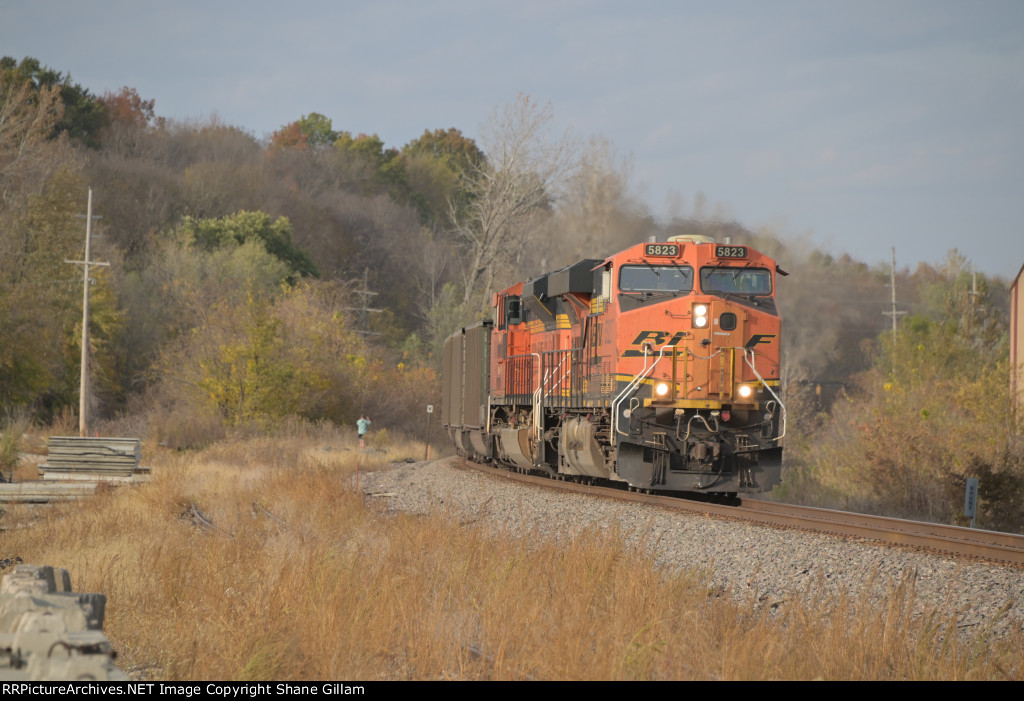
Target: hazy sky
x,y
867,124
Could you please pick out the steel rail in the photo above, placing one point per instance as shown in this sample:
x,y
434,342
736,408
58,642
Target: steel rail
x,y
1005,548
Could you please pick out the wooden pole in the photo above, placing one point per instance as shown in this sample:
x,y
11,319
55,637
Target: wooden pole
x,y
83,388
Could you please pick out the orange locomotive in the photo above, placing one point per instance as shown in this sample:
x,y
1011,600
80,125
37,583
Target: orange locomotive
x,y
657,367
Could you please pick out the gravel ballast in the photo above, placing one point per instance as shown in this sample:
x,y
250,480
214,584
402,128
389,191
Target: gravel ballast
x,y
771,565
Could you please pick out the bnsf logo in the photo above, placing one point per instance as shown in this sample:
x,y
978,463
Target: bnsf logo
x,y
657,339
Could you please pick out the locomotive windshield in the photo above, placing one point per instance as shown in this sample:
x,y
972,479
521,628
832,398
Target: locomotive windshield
x,y
743,281
656,278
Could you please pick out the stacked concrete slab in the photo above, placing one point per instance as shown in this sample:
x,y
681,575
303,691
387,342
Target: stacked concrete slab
x,y
71,457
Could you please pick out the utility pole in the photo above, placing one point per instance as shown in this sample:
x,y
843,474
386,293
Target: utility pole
x,y
83,392
894,314
972,312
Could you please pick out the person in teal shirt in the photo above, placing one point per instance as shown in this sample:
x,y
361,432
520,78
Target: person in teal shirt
x,y
362,425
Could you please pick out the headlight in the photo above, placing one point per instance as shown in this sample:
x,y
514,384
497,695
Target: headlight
x,y
661,390
745,391
700,316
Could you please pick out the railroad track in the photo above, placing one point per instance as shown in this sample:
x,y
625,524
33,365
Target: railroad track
x,y
1004,548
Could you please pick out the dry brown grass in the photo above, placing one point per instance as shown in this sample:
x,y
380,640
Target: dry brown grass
x,y
311,583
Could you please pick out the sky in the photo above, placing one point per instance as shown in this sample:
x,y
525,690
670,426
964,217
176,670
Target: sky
x,y
855,125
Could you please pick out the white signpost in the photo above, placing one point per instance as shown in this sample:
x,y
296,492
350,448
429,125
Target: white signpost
x,y
426,453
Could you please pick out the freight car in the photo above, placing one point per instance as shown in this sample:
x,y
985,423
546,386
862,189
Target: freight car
x,y
657,367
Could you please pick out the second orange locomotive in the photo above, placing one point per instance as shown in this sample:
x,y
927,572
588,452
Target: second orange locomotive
x,y
657,367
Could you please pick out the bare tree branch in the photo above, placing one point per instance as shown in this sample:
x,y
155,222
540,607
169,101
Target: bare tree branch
x,y
510,191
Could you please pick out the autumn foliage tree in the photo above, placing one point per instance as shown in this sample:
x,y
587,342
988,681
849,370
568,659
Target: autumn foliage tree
x,y
438,166
313,131
127,107
41,191
241,227
82,115
930,414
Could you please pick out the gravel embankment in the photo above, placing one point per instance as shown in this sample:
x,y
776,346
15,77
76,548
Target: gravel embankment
x,y
769,564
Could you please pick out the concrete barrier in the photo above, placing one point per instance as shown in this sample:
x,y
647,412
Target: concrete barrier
x,y
50,632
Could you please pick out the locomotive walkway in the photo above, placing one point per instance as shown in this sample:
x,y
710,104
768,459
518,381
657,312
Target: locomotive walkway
x,y
1006,548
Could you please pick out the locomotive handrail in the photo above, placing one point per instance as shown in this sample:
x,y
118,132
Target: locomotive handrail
x,y
701,357
537,397
546,386
750,362
630,388
621,396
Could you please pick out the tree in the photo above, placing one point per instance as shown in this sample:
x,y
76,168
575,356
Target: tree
x,y
40,193
129,117
40,296
248,374
261,352
386,169
289,136
509,192
243,227
313,131
438,165
931,413
964,299
127,107
318,129
173,300
27,119
215,347
597,215
456,151
83,115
